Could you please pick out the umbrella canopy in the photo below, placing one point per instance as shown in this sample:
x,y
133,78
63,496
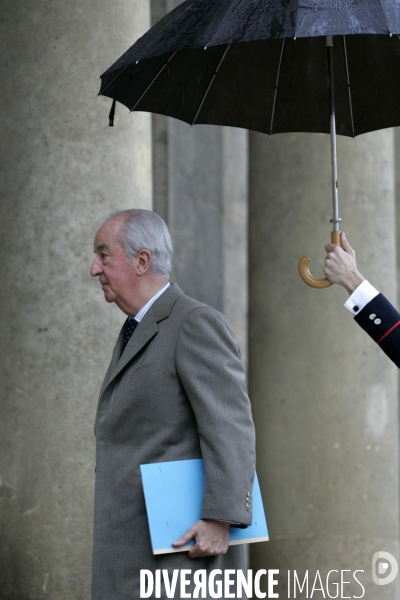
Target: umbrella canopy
x,y
261,65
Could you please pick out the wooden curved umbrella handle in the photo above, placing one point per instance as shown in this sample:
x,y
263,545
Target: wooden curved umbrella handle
x,y
305,274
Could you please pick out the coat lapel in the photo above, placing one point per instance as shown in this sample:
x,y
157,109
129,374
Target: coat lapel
x,y
114,359
144,332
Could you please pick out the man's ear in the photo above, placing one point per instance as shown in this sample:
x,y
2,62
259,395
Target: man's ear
x,y
143,262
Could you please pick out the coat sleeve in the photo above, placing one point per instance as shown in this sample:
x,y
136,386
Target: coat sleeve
x,y
211,371
382,322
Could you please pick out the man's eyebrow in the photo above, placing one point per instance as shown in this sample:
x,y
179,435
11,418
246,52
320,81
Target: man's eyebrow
x,y
102,247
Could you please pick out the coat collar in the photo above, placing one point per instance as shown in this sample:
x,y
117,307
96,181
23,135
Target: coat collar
x,y
144,332
163,305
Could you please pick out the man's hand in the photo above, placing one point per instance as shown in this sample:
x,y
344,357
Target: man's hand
x,y
340,265
211,537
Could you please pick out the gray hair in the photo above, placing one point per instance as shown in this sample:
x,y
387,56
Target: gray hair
x,y
144,229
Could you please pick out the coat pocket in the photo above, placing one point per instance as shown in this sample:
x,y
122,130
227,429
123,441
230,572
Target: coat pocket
x,y
144,370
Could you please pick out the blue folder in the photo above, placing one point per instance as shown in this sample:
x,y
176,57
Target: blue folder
x,y
173,494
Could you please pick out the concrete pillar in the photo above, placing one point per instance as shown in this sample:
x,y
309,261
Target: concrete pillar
x,y
195,208
200,175
324,395
62,170
235,231
200,189
159,125
204,176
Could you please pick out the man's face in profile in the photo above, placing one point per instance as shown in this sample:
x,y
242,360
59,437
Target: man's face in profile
x,y
116,272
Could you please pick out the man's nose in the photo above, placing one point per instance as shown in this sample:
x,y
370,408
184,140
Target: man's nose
x,y
95,269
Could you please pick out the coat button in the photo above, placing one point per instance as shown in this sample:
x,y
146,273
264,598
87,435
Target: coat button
x,y
377,321
247,505
372,317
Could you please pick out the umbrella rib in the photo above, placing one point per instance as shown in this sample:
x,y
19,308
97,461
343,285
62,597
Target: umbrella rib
x,y
210,84
152,81
276,87
112,80
348,85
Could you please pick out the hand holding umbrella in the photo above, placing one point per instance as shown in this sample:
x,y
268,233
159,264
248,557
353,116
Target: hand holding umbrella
x,y
371,310
340,265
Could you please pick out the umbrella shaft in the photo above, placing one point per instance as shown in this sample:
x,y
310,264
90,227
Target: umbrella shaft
x,y
335,196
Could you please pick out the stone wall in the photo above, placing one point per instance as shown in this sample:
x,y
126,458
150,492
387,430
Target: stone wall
x,y
324,395
62,170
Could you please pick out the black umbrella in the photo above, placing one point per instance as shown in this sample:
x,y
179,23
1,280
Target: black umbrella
x,y
263,65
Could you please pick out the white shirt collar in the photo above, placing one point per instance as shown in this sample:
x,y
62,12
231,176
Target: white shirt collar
x,y
146,307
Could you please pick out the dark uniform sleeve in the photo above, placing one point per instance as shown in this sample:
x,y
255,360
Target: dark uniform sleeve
x,y
382,322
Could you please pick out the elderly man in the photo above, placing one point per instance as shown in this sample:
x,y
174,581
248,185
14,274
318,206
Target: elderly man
x,y
174,390
372,311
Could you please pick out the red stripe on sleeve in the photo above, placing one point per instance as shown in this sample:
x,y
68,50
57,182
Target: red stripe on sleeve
x,y
388,331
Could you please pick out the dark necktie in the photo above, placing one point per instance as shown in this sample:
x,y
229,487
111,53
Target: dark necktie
x,y
129,329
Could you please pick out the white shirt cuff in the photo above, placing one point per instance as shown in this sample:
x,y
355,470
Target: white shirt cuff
x,y
360,297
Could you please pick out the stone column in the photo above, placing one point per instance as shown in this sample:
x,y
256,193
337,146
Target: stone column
x,y
201,180
235,231
200,189
324,395
159,128
62,170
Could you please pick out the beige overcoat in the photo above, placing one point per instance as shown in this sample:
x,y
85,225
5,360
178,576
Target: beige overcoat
x,y
177,392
